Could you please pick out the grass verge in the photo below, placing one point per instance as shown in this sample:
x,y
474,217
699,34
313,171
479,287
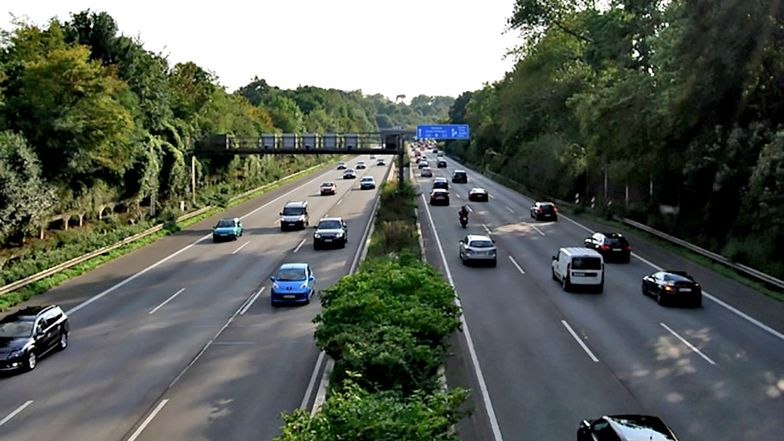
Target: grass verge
x,y
12,299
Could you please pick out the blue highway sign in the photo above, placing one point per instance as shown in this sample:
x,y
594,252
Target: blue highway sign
x,y
442,131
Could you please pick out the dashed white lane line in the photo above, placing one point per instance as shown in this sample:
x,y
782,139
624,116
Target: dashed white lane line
x,y
487,229
241,247
580,342
509,209
16,412
300,245
537,229
492,197
339,201
496,429
457,195
692,347
519,268
148,420
152,311
250,302
470,210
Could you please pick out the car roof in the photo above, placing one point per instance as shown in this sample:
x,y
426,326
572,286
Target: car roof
x,y
27,314
580,251
472,237
294,266
440,190
367,178
296,203
478,189
544,203
340,219
230,219
459,171
640,428
440,179
328,183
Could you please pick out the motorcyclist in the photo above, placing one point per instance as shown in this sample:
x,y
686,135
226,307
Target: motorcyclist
x,y
463,213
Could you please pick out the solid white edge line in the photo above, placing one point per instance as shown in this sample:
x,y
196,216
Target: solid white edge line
x,y
321,392
15,412
339,202
487,229
692,347
250,303
580,342
154,265
148,420
299,246
312,382
152,311
537,229
509,209
241,247
469,341
519,268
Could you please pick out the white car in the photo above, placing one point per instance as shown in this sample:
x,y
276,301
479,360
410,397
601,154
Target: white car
x,y
367,183
361,165
426,172
476,248
578,267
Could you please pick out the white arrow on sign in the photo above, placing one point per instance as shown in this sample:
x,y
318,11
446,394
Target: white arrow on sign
x,y
454,133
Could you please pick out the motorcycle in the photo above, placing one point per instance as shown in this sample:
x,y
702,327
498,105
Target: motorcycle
x,y
463,220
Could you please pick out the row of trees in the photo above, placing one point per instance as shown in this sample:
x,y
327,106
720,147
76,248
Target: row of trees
x,y
90,119
675,103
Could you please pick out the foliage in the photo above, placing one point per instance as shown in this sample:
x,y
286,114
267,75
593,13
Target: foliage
x,y
353,414
395,232
683,98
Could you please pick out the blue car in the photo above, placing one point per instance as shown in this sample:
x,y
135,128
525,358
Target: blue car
x,y
293,283
227,229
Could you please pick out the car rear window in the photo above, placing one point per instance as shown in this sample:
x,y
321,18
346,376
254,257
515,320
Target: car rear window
x,y
613,241
459,174
586,263
547,208
291,274
481,244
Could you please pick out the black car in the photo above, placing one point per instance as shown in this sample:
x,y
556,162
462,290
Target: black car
x,y
330,231
672,286
544,211
439,196
440,163
478,195
440,183
459,177
612,246
625,428
31,333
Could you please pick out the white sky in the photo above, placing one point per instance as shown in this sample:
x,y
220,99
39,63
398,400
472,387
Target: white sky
x,y
411,47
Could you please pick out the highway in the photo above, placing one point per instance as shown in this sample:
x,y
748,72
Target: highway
x,y
178,340
549,359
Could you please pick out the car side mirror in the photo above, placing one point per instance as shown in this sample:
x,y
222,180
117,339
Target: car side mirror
x,y
584,432
312,278
555,258
280,213
345,225
272,278
587,241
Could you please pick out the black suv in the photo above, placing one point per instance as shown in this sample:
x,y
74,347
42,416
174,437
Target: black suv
x,y
440,182
612,246
31,333
330,231
625,428
460,177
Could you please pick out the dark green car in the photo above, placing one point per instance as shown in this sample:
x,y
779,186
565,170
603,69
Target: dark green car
x,y
227,229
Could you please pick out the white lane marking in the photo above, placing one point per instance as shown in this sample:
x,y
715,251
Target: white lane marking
x,y
300,245
321,394
491,196
705,357
487,229
537,229
577,223
209,343
148,420
166,301
471,350
312,382
233,343
250,303
649,263
470,210
583,345
509,209
339,202
155,265
16,411
519,268
457,195
241,247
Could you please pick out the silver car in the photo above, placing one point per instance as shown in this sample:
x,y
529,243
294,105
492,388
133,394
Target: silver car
x,y
476,248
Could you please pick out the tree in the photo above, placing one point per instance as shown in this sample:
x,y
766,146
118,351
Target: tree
x,y
25,199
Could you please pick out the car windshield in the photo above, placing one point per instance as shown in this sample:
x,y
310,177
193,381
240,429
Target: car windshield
x,y
327,184
291,274
481,243
676,278
293,211
366,179
225,223
329,225
348,171
16,329
586,263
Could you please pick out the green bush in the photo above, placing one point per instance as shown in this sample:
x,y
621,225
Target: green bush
x,y
353,414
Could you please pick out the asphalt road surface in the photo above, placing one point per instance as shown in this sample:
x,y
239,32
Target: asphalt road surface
x,y
178,340
549,359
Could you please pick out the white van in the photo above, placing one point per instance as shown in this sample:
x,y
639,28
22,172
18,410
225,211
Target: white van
x,y
577,267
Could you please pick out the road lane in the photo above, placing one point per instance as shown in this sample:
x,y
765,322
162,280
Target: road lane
x,y
122,358
661,374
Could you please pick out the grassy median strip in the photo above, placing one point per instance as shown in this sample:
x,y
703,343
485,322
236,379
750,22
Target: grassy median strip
x,y
386,328
13,298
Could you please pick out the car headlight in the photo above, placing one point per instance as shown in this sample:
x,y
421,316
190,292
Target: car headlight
x,y
304,286
16,353
339,234
317,236
275,286
469,251
302,218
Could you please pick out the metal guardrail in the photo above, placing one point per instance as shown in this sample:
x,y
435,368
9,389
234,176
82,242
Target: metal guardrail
x,y
767,278
13,286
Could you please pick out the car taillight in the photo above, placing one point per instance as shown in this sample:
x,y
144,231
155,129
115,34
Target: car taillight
x,y
555,209
628,247
604,247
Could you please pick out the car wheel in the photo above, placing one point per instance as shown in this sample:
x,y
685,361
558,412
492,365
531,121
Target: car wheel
x,y
316,246
555,218
644,291
494,263
567,285
698,303
600,288
659,299
31,361
63,343
343,244
234,237
552,272
273,303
